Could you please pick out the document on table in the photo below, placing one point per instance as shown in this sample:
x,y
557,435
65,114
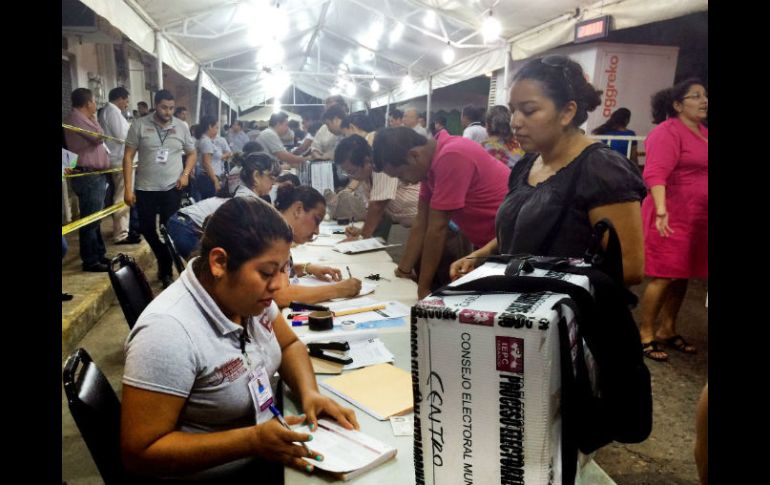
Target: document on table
x,y
486,269
362,246
381,390
365,347
347,453
367,287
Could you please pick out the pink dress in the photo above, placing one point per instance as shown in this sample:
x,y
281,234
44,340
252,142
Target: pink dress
x,y
678,159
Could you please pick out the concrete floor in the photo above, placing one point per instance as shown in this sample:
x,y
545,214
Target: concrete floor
x,y
664,458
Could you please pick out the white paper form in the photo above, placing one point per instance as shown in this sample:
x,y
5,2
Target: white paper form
x,y
344,450
321,176
486,269
367,287
393,309
365,347
362,246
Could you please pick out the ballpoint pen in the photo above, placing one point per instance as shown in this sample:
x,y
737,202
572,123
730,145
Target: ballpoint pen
x,y
281,420
349,273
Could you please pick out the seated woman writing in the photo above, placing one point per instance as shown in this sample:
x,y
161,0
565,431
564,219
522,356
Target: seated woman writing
x,y
304,208
201,347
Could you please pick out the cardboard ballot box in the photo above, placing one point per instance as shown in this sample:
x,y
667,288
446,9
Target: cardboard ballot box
x,y
486,374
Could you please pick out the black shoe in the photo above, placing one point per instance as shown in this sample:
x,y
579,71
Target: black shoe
x,y
96,268
130,240
166,281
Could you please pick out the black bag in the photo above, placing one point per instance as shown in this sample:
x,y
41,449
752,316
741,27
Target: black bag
x,y
617,404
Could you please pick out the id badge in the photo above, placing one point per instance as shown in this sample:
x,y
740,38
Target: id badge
x,y
161,156
261,396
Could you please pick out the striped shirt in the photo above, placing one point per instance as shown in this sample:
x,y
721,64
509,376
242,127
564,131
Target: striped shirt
x,y
403,197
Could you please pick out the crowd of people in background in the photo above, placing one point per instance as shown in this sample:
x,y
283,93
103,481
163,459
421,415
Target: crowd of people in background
x,y
500,187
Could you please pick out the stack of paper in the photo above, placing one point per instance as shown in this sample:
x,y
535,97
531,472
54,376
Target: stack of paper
x,y
381,390
365,348
347,453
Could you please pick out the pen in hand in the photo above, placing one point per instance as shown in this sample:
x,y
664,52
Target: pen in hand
x,y
349,273
281,420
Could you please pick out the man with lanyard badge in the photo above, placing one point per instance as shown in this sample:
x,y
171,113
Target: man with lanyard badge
x,y
160,140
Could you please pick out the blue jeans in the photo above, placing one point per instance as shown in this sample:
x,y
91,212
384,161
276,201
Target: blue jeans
x,y
91,190
185,234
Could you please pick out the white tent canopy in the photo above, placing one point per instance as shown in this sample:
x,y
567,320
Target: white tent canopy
x,y
256,48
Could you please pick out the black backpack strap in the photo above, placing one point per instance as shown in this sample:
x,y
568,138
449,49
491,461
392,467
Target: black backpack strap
x,y
609,260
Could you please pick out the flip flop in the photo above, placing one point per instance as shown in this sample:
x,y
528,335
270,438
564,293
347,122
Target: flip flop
x,y
677,342
652,347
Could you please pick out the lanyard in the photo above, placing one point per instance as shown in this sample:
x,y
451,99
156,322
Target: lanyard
x,y
163,139
244,339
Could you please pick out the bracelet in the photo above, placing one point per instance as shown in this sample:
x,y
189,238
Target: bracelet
x,y
661,215
186,172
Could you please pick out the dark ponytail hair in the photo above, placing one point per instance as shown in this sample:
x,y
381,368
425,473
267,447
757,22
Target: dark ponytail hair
x,y
289,194
663,100
619,119
245,228
204,125
260,163
563,81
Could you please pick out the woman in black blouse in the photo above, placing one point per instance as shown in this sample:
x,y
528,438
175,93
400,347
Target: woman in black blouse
x,y
567,182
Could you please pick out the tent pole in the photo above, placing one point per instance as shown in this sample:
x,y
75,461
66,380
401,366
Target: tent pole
x,y
506,71
430,95
159,60
387,110
200,87
219,108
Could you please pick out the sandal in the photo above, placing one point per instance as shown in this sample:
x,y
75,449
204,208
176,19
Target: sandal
x,y
677,342
651,348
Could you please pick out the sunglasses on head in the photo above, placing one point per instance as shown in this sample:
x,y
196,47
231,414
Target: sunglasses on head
x,y
561,62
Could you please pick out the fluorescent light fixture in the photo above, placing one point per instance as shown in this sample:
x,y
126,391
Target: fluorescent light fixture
x,y
397,32
429,20
490,28
270,54
375,86
448,55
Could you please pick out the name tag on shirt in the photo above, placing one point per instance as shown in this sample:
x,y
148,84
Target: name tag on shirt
x,y
261,396
161,156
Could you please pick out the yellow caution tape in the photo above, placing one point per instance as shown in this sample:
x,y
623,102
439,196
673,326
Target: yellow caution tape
x,y
81,174
92,133
92,218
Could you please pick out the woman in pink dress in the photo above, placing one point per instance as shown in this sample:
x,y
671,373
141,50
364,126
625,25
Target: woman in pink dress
x,y
675,213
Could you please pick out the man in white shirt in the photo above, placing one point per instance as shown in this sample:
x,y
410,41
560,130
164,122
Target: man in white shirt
x,y
325,141
114,124
411,120
236,137
471,119
270,139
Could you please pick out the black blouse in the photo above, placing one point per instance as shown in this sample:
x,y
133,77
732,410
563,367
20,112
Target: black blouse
x,y
598,176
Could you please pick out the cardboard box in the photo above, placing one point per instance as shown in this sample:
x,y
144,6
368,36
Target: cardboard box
x,y
486,374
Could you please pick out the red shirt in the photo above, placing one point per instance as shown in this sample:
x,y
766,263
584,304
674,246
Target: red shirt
x,y
467,180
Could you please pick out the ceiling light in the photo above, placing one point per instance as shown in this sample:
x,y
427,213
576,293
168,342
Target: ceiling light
x,y
351,89
276,106
430,19
397,32
406,82
490,28
365,54
448,55
270,54
375,86
334,90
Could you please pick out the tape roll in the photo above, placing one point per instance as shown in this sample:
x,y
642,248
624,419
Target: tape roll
x,y
319,321
349,325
